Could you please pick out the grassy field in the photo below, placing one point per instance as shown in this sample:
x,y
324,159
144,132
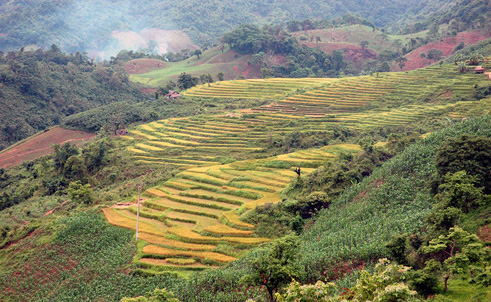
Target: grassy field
x,y
212,61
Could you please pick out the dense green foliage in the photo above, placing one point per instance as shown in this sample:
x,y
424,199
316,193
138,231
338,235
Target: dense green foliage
x,y
460,15
84,261
334,178
274,265
467,153
39,88
272,40
80,26
347,19
395,199
30,190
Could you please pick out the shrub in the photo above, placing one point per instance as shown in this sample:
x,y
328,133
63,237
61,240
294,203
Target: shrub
x,y
434,54
80,193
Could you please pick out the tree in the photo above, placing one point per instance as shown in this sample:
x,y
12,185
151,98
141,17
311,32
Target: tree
x,y
476,58
80,193
384,67
62,153
398,44
318,292
186,81
75,169
459,191
401,61
202,78
461,250
94,154
274,265
462,67
364,44
386,284
433,31
434,54
310,205
442,218
257,59
197,53
220,76
383,37
466,153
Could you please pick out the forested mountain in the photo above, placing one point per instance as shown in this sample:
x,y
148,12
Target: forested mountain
x,y
459,15
38,88
88,25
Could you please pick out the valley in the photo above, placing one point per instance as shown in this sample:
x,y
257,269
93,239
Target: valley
x,y
273,151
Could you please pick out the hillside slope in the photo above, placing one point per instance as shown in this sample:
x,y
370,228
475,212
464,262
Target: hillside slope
x,y
203,203
201,173
394,200
39,88
81,26
213,61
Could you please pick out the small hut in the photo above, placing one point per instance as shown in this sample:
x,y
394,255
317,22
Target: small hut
x,y
172,95
479,69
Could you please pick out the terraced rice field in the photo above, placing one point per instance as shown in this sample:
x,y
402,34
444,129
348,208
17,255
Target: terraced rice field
x,y
187,221
192,222
255,88
347,95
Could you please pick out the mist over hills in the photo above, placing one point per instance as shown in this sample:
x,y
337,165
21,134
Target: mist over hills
x,y
102,28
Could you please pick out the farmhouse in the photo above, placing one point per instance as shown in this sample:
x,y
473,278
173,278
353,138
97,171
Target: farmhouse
x,y
172,95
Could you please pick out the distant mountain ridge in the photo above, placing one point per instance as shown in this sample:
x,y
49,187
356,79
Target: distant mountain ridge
x,y
76,25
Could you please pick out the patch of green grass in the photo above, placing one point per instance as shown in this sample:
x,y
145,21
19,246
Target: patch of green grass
x,y
460,290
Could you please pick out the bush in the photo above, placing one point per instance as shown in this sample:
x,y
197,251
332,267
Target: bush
x,y
80,193
434,54
423,282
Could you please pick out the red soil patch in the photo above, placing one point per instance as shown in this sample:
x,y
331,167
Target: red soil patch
x,y
358,56
485,233
341,269
143,65
31,233
351,52
41,145
56,209
148,90
376,184
414,61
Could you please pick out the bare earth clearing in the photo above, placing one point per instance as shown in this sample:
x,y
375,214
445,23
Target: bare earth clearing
x,y
40,145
